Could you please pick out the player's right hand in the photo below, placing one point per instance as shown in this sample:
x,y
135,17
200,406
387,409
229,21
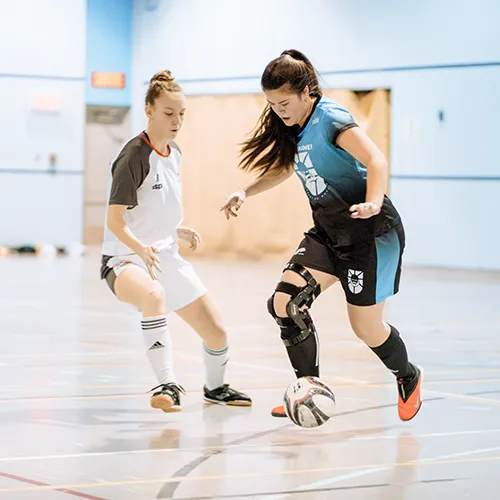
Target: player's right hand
x,y
151,259
233,203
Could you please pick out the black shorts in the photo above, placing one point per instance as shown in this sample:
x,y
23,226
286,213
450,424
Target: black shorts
x,y
369,272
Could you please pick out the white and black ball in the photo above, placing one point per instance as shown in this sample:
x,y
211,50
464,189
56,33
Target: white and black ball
x,y
309,402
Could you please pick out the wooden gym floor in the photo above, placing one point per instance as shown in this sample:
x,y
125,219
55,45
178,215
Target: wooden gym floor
x,y
75,420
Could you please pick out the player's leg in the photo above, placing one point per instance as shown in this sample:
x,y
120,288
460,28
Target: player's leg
x,y
289,306
133,285
187,296
202,316
308,273
386,342
368,280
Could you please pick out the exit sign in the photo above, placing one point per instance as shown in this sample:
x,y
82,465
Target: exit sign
x,y
102,80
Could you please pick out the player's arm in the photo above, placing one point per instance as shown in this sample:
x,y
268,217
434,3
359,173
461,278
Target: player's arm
x,y
259,185
128,176
267,181
117,225
356,142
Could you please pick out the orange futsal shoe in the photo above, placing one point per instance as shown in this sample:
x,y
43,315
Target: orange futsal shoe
x,y
410,401
278,411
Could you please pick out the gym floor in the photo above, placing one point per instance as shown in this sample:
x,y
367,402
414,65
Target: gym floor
x,y
75,420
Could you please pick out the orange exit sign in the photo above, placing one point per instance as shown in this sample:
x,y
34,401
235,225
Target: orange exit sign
x,y
108,80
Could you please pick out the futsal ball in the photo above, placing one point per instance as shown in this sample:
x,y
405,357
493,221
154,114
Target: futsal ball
x,y
309,402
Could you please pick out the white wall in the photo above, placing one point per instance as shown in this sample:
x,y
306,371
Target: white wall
x,y
228,38
446,179
35,37
42,109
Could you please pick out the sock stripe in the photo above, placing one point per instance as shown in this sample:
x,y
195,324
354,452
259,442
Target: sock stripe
x,y
147,329
154,318
148,325
159,323
223,351
153,321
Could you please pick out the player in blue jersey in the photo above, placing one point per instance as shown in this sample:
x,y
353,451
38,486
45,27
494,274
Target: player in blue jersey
x,y
357,237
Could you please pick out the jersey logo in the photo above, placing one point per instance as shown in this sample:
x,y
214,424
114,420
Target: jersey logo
x,y
316,120
157,184
314,184
355,281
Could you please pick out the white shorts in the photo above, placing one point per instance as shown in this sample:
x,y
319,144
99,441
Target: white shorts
x,y
179,279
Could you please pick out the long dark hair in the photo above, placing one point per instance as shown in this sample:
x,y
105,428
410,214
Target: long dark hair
x,y
272,146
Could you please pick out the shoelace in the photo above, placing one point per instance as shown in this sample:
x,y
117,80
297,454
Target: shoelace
x,y
168,385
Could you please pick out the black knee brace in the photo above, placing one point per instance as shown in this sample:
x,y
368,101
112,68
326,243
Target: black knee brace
x,y
298,325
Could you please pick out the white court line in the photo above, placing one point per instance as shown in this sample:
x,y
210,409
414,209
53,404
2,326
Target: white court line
x,y
435,434
231,447
64,354
366,472
281,370
463,397
476,408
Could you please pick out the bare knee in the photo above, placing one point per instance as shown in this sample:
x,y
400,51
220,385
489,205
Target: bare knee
x,y
215,328
154,301
361,329
371,333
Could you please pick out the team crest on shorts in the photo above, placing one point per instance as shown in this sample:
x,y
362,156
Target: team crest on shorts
x,y
355,281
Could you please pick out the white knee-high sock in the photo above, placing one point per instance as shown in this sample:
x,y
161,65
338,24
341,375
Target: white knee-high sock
x,y
215,366
159,347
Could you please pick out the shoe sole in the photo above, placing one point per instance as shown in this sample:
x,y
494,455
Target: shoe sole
x,y
278,414
165,403
230,403
421,402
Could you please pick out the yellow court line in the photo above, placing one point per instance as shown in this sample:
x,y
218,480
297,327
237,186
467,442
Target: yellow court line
x,y
117,386
183,479
72,398
192,358
257,389
275,388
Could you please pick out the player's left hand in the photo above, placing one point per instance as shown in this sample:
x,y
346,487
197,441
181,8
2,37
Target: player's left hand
x,y
364,210
189,235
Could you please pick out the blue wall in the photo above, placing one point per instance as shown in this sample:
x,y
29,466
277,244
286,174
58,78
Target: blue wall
x,y
109,48
42,109
44,88
434,55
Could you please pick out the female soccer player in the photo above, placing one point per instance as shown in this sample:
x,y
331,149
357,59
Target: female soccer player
x,y
141,263
358,236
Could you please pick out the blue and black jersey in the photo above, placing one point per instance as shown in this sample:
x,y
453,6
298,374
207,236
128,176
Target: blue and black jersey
x,y
334,180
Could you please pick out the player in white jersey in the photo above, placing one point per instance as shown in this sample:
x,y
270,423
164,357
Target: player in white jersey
x,y
141,261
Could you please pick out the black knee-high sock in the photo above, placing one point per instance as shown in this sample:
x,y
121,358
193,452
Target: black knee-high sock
x,y
304,355
394,355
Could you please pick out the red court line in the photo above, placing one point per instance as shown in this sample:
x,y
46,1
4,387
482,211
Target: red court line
x,y
38,483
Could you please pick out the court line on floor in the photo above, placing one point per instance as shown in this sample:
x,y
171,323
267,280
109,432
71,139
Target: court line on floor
x,y
60,490
287,371
11,388
330,490
463,397
249,475
229,447
259,389
361,473
169,488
